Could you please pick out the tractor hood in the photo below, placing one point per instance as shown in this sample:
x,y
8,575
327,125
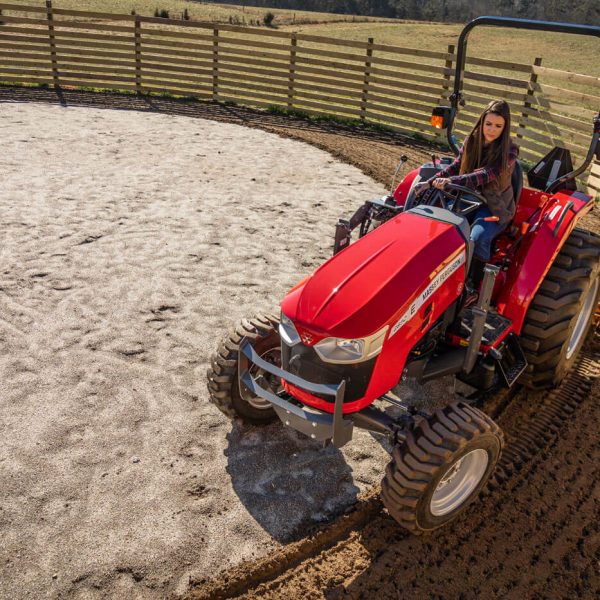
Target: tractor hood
x,y
358,291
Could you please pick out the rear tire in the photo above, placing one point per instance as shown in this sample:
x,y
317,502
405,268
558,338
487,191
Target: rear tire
x,y
223,384
561,312
441,467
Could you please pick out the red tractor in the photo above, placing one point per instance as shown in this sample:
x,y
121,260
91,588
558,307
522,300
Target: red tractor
x,y
392,306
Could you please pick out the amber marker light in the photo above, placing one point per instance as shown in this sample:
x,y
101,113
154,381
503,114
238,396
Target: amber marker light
x,y
437,121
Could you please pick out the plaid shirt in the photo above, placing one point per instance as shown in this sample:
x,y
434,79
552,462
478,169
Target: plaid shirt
x,y
478,178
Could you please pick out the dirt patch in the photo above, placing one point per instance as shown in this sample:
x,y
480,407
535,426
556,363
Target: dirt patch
x,y
534,535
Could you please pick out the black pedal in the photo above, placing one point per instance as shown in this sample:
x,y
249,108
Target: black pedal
x,y
342,235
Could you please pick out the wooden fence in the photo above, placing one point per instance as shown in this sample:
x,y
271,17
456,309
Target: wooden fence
x,y
374,83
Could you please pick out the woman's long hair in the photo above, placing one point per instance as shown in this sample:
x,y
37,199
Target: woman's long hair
x,y
475,155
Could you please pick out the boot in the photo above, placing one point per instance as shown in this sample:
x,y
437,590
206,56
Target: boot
x,y
474,280
477,272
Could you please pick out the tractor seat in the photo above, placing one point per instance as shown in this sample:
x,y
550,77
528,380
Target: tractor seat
x,y
517,181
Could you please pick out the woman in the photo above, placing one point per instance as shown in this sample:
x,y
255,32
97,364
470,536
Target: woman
x,y
485,163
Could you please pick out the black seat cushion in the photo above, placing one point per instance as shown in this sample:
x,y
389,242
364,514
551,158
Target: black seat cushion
x,y
517,181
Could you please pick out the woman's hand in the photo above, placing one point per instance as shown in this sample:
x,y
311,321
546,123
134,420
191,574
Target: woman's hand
x,y
440,183
421,187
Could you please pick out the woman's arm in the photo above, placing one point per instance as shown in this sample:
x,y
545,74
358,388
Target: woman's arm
x,y
480,177
451,169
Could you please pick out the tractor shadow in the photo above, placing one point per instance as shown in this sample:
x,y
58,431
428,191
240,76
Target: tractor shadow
x,y
286,481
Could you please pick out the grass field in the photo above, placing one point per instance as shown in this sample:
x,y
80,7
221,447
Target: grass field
x,y
201,11
558,51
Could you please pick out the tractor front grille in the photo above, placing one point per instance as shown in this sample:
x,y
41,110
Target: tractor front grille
x,y
303,361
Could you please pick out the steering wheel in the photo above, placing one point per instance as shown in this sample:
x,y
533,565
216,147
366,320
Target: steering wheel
x,y
455,203
470,204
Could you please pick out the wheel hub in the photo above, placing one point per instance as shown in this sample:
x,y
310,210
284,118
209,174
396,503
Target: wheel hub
x,y
272,356
459,482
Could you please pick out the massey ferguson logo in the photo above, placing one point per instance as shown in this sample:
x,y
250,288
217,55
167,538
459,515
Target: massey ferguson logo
x,y
446,272
306,337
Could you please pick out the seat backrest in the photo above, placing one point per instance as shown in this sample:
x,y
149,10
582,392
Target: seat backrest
x,y
517,181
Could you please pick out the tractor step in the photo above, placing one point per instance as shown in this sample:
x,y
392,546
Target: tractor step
x,y
512,362
495,326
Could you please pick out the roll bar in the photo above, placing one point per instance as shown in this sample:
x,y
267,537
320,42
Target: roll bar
x,y
456,98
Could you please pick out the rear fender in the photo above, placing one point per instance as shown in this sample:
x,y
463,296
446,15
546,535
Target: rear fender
x,y
537,253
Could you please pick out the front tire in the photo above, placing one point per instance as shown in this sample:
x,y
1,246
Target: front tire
x,y
561,312
223,383
441,467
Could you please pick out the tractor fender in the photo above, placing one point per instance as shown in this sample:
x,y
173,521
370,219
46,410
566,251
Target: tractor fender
x,y
542,243
404,188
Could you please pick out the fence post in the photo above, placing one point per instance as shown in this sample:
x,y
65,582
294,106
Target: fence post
x,y
138,54
215,69
530,91
447,76
53,59
446,82
292,73
365,91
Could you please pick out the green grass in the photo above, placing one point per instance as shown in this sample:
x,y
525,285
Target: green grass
x,y
199,11
558,51
328,118
577,54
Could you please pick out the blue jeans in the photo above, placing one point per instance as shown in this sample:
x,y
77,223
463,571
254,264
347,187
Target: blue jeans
x,y
483,232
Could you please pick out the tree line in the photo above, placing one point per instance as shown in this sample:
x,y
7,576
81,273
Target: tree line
x,y
457,11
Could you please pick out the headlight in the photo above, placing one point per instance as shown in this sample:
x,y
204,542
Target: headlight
x,y
287,331
338,350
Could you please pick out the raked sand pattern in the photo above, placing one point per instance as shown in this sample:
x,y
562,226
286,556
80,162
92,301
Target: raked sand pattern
x,y
130,242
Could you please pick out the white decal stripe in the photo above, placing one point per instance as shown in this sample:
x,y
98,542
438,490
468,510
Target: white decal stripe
x,y
428,291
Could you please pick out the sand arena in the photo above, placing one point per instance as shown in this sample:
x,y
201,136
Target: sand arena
x,y
131,242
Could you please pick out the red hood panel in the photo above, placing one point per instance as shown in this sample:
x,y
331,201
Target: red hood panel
x,y
356,292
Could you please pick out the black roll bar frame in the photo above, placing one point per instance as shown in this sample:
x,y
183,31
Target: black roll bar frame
x,y
456,98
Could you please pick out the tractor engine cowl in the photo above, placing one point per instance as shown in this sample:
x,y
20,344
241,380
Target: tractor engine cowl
x,y
375,302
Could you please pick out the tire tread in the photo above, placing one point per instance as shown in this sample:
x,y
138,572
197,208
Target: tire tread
x,y
548,323
224,362
427,448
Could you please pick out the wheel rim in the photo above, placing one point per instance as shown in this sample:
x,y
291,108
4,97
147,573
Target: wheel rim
x,y
273,356
459,482
582,320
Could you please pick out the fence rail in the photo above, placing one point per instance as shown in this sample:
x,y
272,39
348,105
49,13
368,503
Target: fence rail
x,y
375,83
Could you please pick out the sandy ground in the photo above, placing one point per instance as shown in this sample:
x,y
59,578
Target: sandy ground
x,y
130,243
